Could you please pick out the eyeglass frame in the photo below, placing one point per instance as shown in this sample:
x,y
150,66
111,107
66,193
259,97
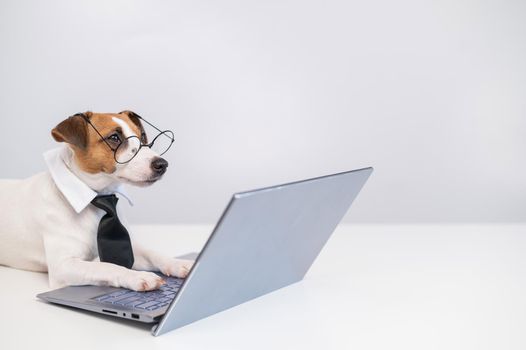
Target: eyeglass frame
x,y
141,144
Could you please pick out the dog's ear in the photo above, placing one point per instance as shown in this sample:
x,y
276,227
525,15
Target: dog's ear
x,y
73,130
136,119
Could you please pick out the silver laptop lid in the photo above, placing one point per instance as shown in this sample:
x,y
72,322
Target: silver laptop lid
x,y
266,239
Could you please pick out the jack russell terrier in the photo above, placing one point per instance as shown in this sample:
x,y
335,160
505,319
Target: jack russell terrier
x,y
48,222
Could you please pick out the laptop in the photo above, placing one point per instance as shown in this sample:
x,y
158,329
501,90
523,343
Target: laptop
x,y
265,239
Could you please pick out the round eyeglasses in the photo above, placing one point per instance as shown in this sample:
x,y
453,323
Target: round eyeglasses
x,y
130,146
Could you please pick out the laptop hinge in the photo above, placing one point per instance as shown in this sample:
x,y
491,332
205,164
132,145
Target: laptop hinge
x,y
154,327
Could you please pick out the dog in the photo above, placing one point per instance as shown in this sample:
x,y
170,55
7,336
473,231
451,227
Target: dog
x,y
47,223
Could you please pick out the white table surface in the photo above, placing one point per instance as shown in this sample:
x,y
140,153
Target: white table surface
x,y
372,287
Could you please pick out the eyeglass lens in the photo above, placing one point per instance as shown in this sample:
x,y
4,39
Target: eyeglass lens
x,y
162,142
129,148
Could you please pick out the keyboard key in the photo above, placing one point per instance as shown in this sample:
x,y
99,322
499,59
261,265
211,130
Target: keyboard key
x,y
147,305
126,300
103,298
154,307
117,293
117,299
134,303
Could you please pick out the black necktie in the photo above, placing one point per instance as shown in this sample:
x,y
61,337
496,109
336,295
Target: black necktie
x,y
112,237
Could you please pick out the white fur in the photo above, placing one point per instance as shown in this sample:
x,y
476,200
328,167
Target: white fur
x,y
126,130
40,231
136,172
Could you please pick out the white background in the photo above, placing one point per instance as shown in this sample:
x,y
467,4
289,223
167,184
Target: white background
x,y
430,93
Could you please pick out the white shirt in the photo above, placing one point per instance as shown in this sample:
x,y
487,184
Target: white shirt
x,y
77,193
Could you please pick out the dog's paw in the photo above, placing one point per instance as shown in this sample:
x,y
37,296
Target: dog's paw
x,y
141,281
177,267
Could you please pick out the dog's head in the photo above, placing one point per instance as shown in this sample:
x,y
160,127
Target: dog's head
x,y
94,146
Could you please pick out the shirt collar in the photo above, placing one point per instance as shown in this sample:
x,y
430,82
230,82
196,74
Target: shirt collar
x,y
77,193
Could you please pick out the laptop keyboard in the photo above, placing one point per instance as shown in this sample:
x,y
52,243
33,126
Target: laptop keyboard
x,y
153,300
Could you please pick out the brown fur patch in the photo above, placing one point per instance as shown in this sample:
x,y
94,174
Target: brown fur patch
x,y
96,156
73,130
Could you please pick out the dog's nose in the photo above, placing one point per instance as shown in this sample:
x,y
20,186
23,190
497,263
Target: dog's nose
x,y
159,166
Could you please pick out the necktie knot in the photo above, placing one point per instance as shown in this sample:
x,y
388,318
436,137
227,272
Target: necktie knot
x,y
107,202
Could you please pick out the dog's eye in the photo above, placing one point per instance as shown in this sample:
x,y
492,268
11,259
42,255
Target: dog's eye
x,y
114,138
